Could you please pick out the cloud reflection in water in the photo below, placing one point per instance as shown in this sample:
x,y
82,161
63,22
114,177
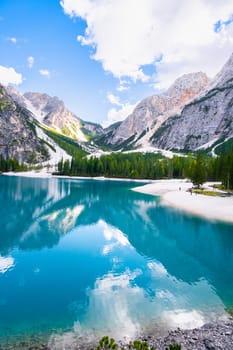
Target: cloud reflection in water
x,y
119,303
6,263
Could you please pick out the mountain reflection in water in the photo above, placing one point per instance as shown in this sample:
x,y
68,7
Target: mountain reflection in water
x,y
72,250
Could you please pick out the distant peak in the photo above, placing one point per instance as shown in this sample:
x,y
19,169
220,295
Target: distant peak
x,y
191,80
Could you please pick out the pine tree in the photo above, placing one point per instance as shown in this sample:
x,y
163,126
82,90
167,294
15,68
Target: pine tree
x,y
198,171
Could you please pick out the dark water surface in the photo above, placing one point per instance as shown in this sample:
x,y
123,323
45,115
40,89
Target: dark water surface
x,y
89,258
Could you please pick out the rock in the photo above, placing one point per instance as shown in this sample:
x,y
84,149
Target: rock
x,y
150,113
52,112
18,138
207,118
208,344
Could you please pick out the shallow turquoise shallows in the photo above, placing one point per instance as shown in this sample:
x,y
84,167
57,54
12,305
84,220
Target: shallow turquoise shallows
x,y
89,258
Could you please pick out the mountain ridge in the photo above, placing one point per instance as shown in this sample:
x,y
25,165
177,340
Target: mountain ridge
x,y
52,112
57,116
205,119
193,113
152,111
18,138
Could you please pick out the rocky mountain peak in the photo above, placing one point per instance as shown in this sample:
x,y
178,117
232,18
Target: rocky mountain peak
x,y
193,82
44,102
17,131
223,77
15,94
204,120
151,112
52,112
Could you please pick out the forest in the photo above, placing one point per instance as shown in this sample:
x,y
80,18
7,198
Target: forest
x,y
11,164
198,167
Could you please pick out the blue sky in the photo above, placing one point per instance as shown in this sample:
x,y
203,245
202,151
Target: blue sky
x,y
103,56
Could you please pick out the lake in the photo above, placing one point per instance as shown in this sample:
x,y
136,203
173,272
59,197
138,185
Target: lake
x,y
85,258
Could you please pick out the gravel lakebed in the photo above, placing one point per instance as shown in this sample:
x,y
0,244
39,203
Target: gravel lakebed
x,y
212,336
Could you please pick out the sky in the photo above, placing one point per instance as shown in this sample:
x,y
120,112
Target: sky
x,y
101,57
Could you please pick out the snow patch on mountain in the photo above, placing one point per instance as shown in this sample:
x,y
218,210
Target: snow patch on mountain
x,y
52,112
148,149
37,113
56,154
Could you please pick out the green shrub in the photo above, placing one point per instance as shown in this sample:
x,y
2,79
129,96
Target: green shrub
x,y
105,343
174,347
140,345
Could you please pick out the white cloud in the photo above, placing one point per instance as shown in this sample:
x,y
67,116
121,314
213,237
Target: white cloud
x,y
116,115
30,61
128,34
8,75
122,88
113,99
13,40
119,113
45,72
123,85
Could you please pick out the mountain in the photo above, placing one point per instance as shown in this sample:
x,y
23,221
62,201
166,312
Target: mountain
x,y
193,113
148,116
52,112
18,137
205,120
55,125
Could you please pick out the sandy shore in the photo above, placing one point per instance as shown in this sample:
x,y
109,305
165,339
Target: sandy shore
x,y
173,193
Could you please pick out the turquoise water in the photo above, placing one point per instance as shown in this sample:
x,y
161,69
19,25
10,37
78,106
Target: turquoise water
x,y
88,258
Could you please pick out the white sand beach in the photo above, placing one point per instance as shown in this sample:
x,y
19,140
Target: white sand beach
x,y
174,193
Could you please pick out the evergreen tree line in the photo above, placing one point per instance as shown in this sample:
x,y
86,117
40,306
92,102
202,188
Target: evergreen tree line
x,y
199,168
223,169
11,165
134,165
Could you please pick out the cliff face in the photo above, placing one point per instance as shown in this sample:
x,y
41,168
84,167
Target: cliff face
x,y
206,119
18,138
150,113
52,112
39,111
191,113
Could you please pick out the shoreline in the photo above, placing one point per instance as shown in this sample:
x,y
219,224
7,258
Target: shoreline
x,y
210,336
174,194
46,175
